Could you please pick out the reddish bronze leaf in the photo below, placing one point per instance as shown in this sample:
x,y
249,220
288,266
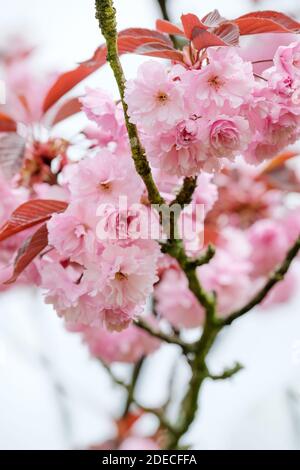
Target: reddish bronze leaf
x,y
12,147
141,41
69,80
169,28
289,24
29,214
190,23
7,124
266,22
279,161
213,19
31,248
68,109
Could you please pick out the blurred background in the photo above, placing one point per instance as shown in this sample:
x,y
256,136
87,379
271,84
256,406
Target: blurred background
x,y
53,395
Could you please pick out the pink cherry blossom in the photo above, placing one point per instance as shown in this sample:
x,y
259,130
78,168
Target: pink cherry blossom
x,y
154,99
103,110
104,178
176,303
124,275
228,136
229,276
287,59
127,346
206,192
226,81
179,151
269,242
72,233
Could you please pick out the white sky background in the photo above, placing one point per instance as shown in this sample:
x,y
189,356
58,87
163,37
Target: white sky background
x,y
257,409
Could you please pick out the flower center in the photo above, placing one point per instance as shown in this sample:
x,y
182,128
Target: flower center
x,y
104,186
162,97
120,276
215,82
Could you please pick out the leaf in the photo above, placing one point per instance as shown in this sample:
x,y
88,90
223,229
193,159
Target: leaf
x,y
31,248
202,39
12,147
29,214
266,22
142,41
229,33
279,161
146,33
146,46
148,42
68,109
202,36
213,19
167,27
69,80
7,124
283,20
190,22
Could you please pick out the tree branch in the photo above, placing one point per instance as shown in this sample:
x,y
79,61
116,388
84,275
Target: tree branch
x,y
196,352
132,386
274,279
164,9
106,15
184,197
227,372
170,339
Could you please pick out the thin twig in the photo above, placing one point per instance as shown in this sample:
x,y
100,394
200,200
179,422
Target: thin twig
x,y
106,14
227,372
170,339
184,196
274,279
132,386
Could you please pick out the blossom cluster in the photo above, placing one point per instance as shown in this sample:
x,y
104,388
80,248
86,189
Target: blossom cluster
x,y
218,122
194,119
90,279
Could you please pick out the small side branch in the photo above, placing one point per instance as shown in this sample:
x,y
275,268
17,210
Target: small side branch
x,y
170,339
274,279
184,196
228,373
106,15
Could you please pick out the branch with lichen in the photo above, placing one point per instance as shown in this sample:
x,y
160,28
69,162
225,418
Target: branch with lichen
x,y
196,353
106,15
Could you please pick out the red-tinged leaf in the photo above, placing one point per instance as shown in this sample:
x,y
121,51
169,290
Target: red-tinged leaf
x,y
229,33
12,147
69,80
290,24
125,424
146,46
146,33
29,214
167,27
30,250
147,42
7,124
68,109
278,161
259,26
24,102
202,39
213,19
190,23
